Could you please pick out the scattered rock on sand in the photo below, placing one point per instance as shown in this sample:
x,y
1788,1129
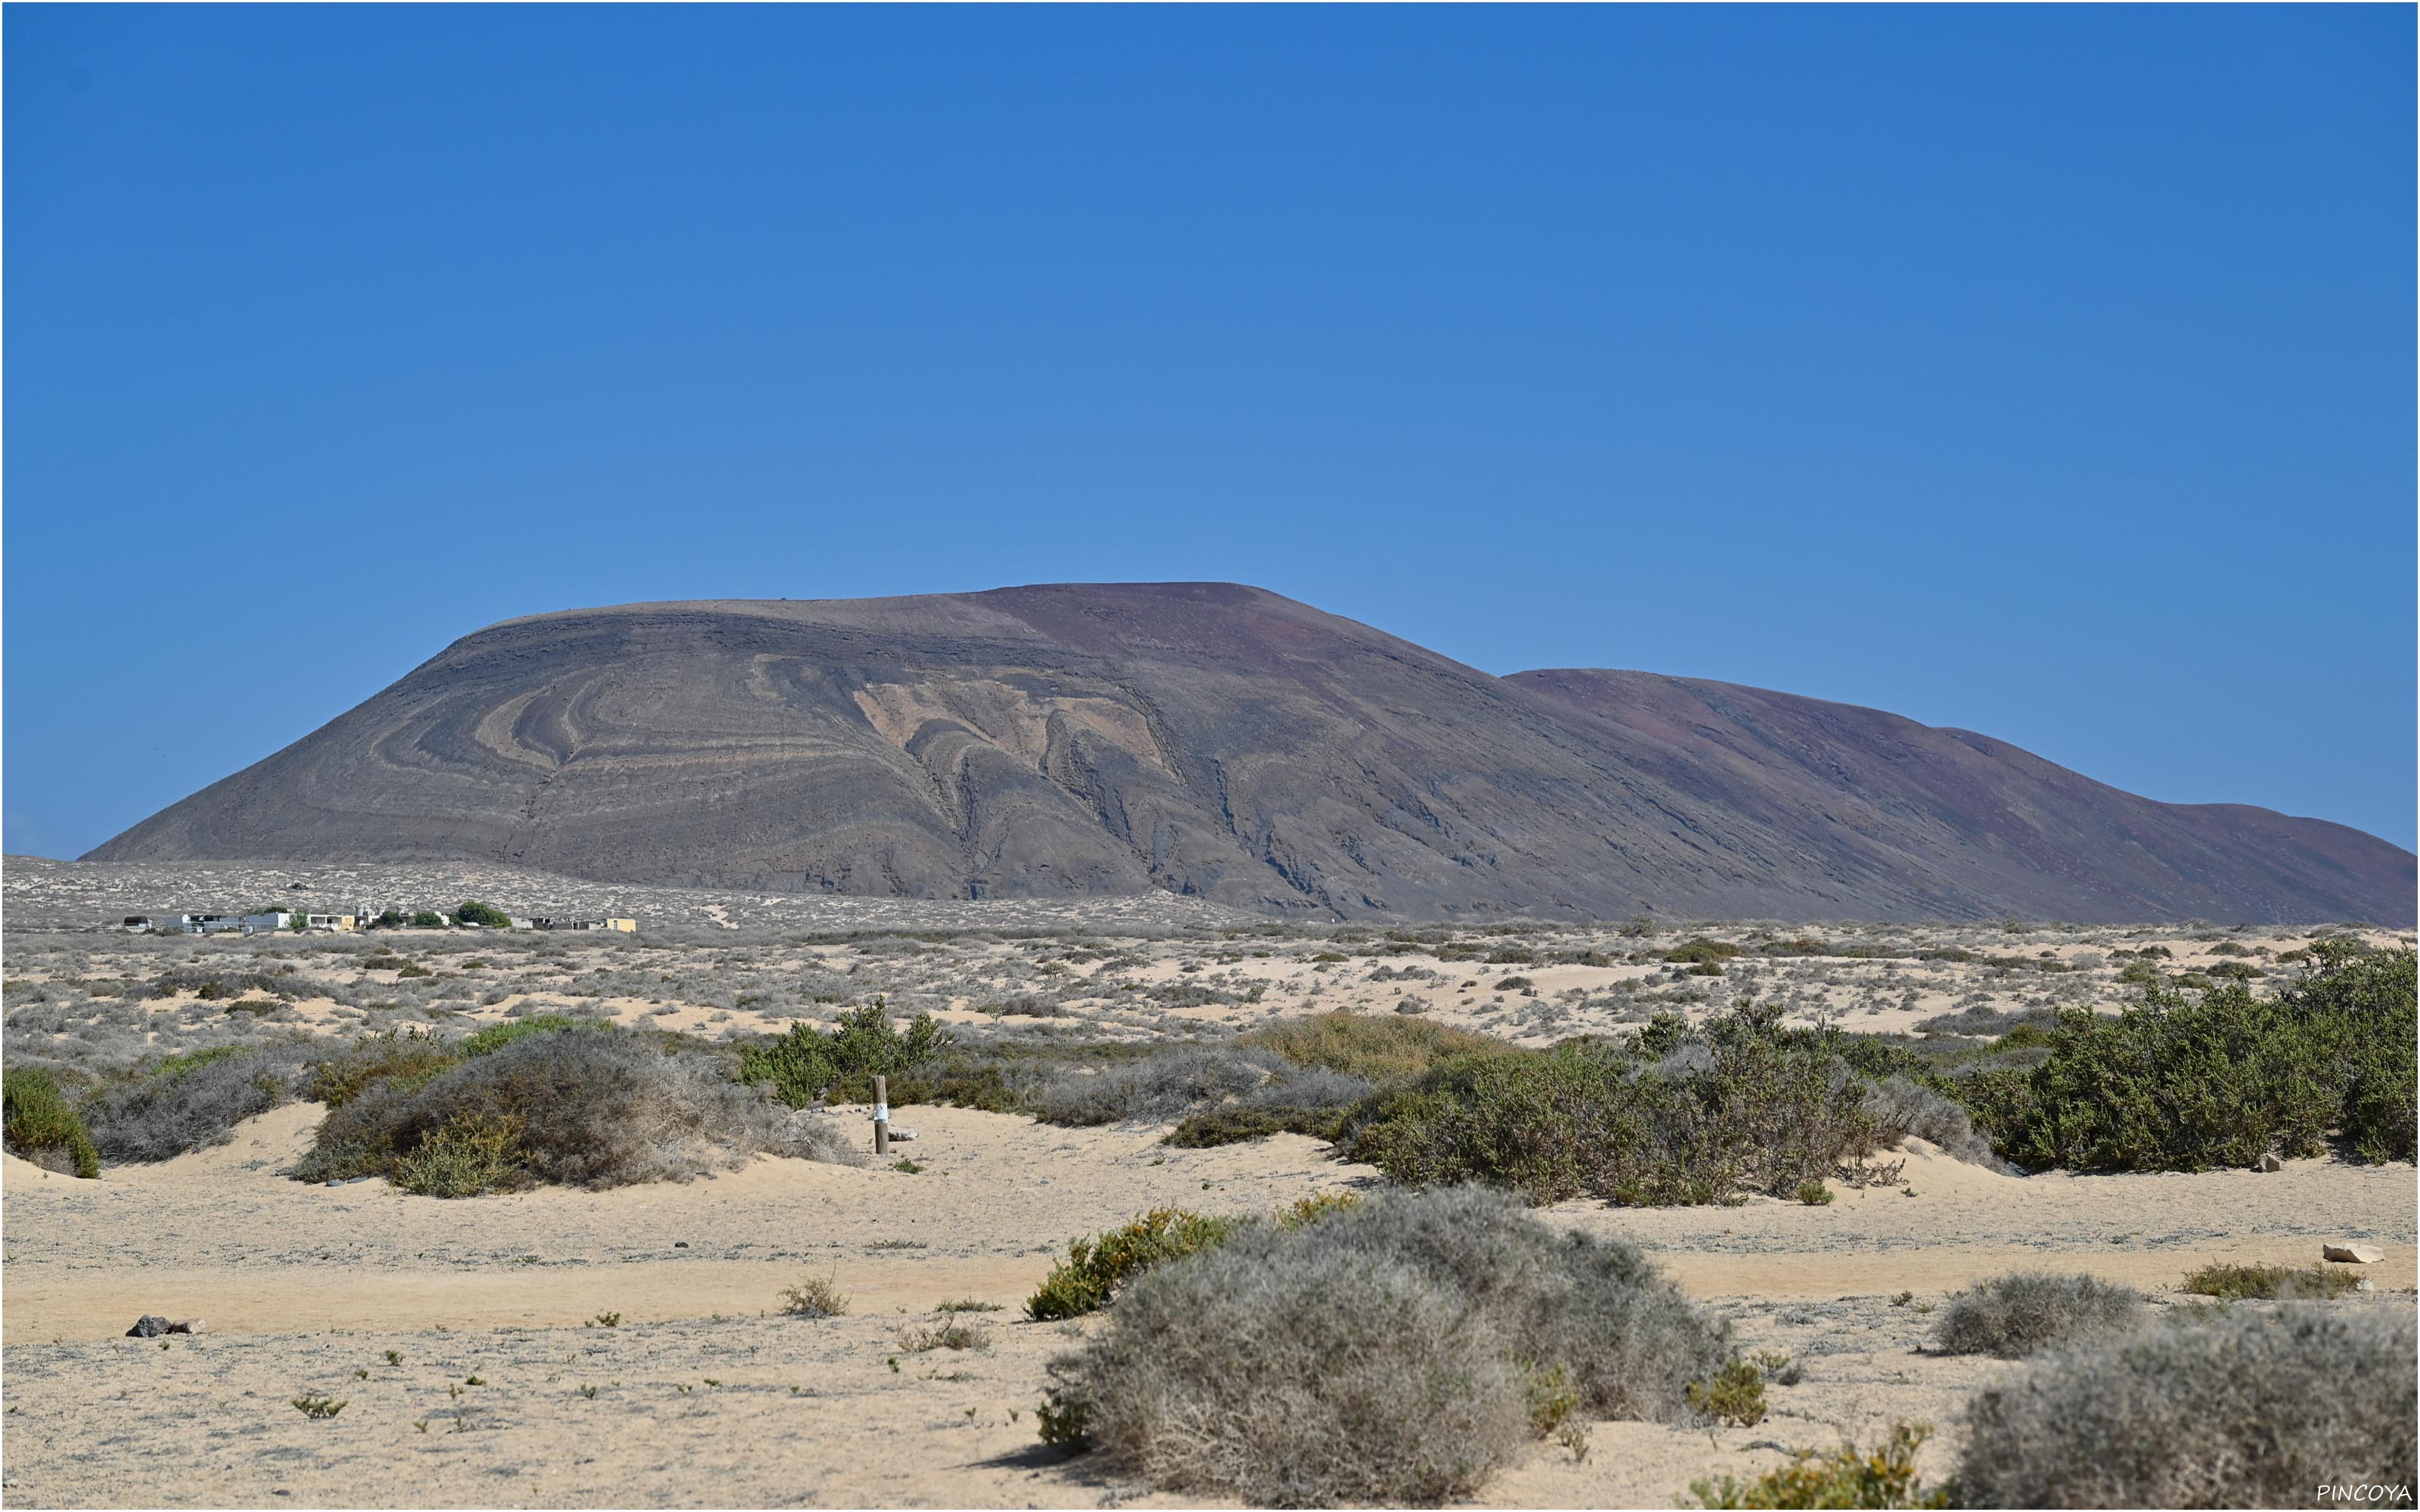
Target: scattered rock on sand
x,y
188,1325
2352,1253
149,1326
2271,1163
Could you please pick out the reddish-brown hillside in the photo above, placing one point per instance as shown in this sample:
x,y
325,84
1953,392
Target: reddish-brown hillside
x,y
1216,740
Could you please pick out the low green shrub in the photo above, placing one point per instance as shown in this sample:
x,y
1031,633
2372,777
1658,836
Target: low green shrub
x,y
998,1075
42,1126
804,1063
1882,1476
2023,1314
1533,1122
2269,1283
2186,1083
2241,1408
1095,1268
1700,951
1311,1209
1732,1396
405,1060
496,1036
186,1062
1236,1123
486,916
469,1155
1372,1048
1676,1115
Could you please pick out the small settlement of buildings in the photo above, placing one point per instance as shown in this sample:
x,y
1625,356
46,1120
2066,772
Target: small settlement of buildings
x,y
234,923
363,918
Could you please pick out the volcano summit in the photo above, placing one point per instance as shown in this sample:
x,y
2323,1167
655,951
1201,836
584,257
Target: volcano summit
x,y
1224,742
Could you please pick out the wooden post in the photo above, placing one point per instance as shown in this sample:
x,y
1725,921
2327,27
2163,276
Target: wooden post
x,y
881,1116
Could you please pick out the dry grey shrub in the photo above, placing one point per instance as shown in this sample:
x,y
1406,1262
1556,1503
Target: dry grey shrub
x,y
817,1296
944,1334
1393,1352
590,1107
1626,1340
171,1112
2025,1313
1985,1019
1161,1087
222,983
105,1035
1905,1108
2245,1408
1359,1383
1317,1087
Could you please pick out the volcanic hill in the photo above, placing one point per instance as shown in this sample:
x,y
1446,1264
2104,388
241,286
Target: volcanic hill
x,y
1220,741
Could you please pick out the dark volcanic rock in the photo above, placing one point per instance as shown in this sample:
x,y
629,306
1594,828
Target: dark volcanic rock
x,y
1893,806
1216,740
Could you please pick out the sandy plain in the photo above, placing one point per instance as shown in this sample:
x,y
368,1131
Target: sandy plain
x,y
699,1391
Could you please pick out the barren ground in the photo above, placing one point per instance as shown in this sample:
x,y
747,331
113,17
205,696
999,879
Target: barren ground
x,y
702,1393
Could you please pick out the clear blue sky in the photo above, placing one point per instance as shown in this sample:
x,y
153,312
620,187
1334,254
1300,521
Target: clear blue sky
x,y
2047,371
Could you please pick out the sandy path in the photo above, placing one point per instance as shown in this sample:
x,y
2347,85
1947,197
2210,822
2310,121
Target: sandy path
x,y
99,1303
